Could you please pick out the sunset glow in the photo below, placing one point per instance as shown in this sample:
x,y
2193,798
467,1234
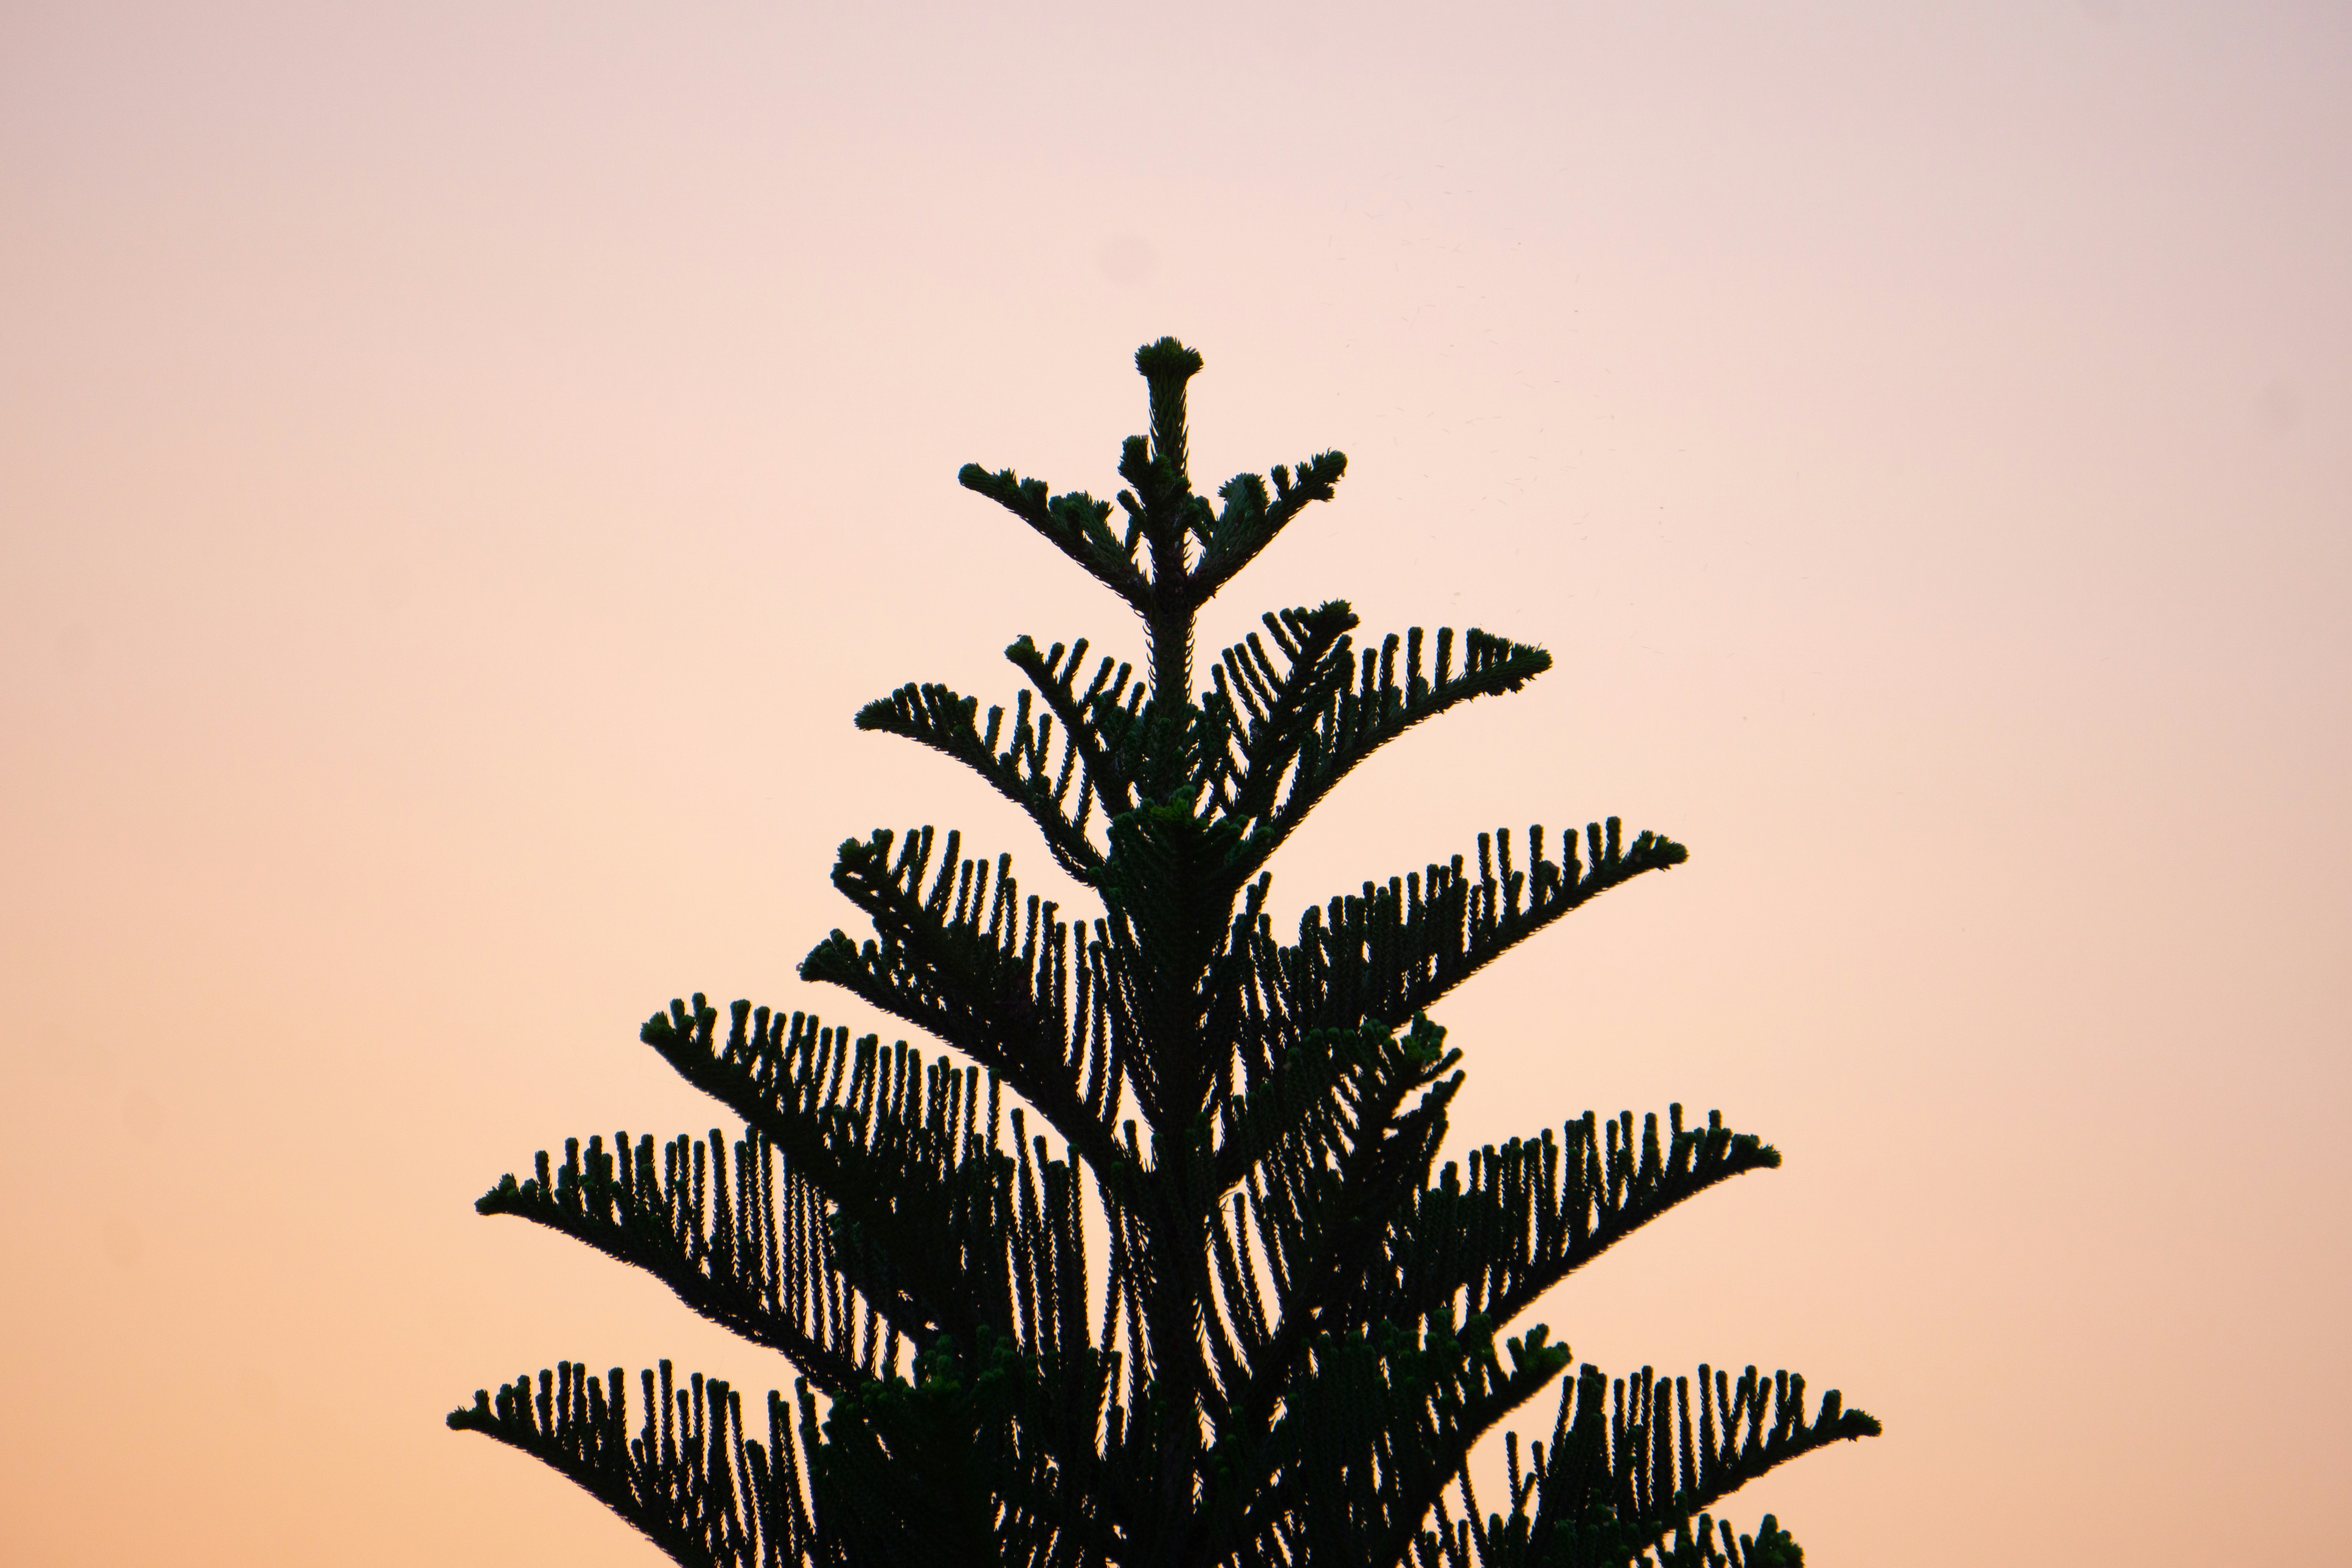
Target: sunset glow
x,y
461,467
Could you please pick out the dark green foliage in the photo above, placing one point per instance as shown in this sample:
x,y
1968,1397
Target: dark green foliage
x,y
1224,1306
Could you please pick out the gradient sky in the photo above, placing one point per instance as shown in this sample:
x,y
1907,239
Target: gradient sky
x,y
462,465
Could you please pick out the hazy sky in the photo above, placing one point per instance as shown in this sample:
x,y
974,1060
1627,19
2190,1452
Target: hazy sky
x,y
462,466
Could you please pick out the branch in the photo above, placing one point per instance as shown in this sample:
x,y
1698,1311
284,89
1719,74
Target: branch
x,y
755,1261
1024,773
856,1211
1258,715
1396,951
1102,721
1380,1426
995,979
692,1481
1625,1468
1320,1197
1353,722
1074,523
1530,1216
1248,524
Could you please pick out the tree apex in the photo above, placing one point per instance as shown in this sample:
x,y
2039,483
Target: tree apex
x,y
1169,359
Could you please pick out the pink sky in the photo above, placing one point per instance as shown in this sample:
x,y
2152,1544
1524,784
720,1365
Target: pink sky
x,y
462,466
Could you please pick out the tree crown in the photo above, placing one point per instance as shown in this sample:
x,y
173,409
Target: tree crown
x,y
1269,1337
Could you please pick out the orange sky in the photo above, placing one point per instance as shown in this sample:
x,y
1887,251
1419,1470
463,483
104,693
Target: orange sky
x,y
462,466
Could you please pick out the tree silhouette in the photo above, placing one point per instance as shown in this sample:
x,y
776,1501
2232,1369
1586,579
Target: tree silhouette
x,y
1156,1265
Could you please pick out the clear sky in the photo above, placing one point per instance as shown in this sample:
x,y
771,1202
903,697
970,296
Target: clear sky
x,y
462,465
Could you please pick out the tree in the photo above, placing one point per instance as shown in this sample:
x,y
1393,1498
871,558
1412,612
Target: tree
x,y
1219,1305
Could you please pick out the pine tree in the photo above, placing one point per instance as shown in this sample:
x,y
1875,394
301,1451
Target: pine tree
x,y
1156,1266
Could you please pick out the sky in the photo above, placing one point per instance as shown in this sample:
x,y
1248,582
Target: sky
x,y
461,467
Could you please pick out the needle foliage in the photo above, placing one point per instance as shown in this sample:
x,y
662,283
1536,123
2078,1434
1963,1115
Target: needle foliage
x,y
1156,1264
